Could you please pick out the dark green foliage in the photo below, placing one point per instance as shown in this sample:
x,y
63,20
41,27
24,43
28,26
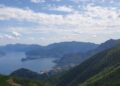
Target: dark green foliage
x,y
102,69
27,74
25,82
73,59
91,67
3,81
109,77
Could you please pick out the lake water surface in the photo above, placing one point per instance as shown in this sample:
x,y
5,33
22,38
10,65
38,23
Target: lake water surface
x,y
12,61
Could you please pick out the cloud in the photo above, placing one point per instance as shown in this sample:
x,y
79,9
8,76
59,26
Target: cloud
x,y
63,8
38,1
16,34
92,16
42,1
7,36
77,1
89,1
1,37
94,21
10,33
8,13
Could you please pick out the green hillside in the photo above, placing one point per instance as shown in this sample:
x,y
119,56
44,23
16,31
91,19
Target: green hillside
x,y
10,81
109,77
25,82
91,67
4,81
100,70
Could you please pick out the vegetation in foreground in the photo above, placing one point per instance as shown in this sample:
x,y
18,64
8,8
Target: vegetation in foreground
x,y
103,69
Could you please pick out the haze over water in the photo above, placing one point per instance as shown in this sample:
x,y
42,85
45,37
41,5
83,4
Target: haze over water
x,y
12,61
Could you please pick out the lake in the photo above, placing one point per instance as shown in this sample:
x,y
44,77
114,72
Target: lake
x,y
12,61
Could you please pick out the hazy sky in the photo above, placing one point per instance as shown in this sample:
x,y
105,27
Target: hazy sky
x,y
48,21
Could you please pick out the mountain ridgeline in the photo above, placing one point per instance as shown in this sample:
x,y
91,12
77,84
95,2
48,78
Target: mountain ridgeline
x,y
77,58
18,47
109,77
89,68
60,49
102,68
104,46
28,74
56,49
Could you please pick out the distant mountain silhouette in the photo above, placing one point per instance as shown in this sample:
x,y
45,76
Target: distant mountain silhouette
x,y
18,47
60,49
91,67
77,58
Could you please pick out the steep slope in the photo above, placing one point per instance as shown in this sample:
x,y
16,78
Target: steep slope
x,y
108,44
108,77
104,46
91,67
70,60
77,58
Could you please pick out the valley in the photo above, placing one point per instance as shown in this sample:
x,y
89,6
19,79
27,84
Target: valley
x,y
59,42
73,69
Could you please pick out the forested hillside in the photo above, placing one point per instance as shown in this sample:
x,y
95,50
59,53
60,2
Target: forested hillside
x,y
91,67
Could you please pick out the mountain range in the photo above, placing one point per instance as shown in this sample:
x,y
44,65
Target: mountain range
x,y
92,66
77,58
18,47
57,50
100,69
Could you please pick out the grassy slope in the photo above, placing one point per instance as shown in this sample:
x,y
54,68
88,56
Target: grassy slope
x,y
91,67
4,81
76,76
109,77
24,82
